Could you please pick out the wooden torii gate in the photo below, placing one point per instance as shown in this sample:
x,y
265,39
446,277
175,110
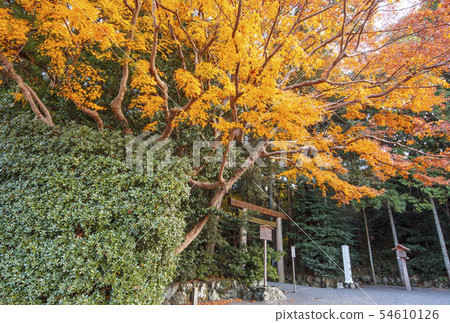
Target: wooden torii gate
x,y
267,212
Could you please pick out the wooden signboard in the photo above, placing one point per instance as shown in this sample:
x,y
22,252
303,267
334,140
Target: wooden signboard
x,y
401,250
401,253
260,209
265,232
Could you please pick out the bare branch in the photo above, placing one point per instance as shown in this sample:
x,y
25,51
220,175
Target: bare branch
x,y
204,185
238,17
128,5
180,50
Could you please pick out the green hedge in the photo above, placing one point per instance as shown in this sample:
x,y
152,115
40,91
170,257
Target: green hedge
x,y
77,226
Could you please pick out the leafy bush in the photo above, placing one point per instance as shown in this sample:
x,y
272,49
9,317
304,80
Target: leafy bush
x,y
77,226
227,262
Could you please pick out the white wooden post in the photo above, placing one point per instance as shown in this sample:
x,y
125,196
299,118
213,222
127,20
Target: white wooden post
x,y
347,265
293,267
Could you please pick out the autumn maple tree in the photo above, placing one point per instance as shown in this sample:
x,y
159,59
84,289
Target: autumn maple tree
x,y
291,76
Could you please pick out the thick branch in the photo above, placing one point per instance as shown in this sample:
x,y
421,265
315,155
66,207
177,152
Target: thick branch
x,y
39,109
180,50
265,154
116,104
216,201
153,71
238,17
94,115
204,185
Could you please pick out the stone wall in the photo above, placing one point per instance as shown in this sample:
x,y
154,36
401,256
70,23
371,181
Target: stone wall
x,y
214,290
314,281
441,282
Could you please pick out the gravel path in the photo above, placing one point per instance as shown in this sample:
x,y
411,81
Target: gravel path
x,y
367,295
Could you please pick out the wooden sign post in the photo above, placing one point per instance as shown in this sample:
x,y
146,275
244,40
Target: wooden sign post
x,y
265,233
401,254
293,267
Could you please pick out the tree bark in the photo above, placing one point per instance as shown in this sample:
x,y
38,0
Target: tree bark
x,y
216,200
37,106
394,234
447,210
279,247
94,115
116,104
243,237
370,248
441,237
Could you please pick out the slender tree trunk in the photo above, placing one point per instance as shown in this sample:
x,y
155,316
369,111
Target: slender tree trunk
x,y
243,234
394,234
447,210
441,237
39,108
370,247
362,245
278,237
279,247
116,104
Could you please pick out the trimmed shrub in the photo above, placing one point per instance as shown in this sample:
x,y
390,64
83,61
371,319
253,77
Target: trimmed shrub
x,y
76,225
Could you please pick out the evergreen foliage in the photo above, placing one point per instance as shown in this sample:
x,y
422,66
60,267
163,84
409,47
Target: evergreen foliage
x,y
320,231
77,226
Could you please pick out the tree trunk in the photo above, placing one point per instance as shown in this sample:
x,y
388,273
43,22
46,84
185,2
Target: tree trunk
x,y
370,248
116,104
39,109
94,115
212,230
243,237
279,247
394,234
243,231
441,237
447,210
216,200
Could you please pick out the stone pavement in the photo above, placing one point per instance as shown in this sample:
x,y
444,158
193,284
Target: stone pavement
x,y
366,295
